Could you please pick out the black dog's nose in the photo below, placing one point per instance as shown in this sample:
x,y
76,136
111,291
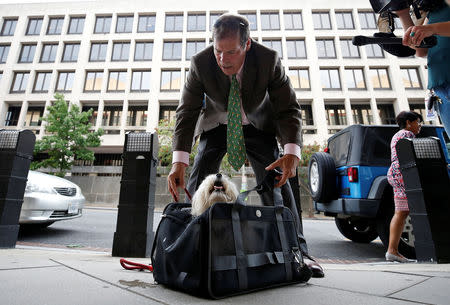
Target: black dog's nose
x,y
219,176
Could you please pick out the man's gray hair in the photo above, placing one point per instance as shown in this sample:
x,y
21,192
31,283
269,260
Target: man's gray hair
x,y
229,25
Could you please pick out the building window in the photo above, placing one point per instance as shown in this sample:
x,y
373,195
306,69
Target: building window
x,y
4,50
374,51
34,26
344,21
325,48
274,44
65,81
76,25
379,78
387,114
307,117
367,20
410,78
196,22
172,50
102,24
296,48
71,52
33,116
143,51
55,26
117,81
330,79
12,116
270,21
93,117
299,78
48,53
27,53
362,114
293,21
121,51
111,115
9,26
354,78
398,23
42,82
20,82
174,23
193,47
140,81
94,81
336,115
167,113
137,116
98,51
321,21
146,24
251,17
348,49
124,24
170,80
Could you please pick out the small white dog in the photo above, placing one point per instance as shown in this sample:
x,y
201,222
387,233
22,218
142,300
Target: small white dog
x,y
215,188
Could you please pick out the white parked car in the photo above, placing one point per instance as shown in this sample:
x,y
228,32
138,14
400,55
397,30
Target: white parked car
x,y
50,198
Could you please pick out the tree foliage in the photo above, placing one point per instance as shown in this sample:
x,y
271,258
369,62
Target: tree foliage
x,y
68,137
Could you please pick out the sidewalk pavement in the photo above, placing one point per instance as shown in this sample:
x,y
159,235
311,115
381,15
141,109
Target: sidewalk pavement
x,y
37,276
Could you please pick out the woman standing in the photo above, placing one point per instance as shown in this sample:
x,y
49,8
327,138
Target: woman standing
x,y
409,123
438,57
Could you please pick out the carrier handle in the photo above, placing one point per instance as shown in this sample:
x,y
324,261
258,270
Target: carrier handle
x,y
265,186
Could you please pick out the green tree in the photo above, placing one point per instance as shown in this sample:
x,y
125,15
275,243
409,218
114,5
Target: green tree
x,y
68,137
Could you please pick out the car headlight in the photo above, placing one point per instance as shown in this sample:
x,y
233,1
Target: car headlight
x,y
37,188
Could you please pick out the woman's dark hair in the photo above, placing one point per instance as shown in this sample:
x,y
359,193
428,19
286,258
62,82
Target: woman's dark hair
x,y
228,25
404,116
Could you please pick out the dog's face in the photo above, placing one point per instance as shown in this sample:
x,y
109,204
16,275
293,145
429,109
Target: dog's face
x,y
215,188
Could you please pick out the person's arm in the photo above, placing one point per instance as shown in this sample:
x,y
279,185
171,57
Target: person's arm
x,y
423,31
288,123
187,115
408,24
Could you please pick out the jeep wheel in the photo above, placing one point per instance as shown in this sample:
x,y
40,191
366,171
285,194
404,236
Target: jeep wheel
x,y
322,177
357,229
406,245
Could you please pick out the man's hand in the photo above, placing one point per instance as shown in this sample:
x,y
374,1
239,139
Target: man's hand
x,y
175,179
288,164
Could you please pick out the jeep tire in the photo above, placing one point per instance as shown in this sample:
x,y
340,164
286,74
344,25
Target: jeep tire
x,y
385,213
322,177
357,229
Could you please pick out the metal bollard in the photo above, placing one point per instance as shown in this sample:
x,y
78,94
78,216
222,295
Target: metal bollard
x,y
16,153
134,231
427,186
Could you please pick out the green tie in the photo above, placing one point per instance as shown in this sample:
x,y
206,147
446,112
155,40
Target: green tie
x,y
235,135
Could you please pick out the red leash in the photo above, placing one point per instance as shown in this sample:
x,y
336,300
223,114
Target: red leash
x,y
133,265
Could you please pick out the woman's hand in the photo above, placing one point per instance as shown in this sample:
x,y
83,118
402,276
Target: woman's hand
x,y
415,34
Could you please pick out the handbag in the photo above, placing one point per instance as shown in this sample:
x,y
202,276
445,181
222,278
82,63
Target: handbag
x,y
230,249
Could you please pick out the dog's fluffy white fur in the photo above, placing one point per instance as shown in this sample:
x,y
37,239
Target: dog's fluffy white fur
x,y
207,194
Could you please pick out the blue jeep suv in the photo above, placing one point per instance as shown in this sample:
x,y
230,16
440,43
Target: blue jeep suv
x,y
348,182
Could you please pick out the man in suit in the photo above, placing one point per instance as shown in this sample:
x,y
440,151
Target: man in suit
x,y
268,112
